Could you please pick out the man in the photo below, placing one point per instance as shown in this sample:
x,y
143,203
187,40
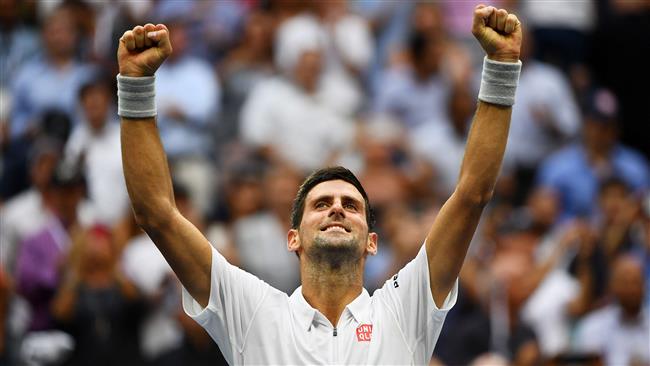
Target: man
x,y
620,331
577,171
330,318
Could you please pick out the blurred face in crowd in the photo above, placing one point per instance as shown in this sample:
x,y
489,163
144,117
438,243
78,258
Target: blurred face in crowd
x,y
331,10
627,284
65,200
613,200
427,18
95,103
428,62
42,169
333,229
307,70
280,187
258,33
544,206
97,251
60,34
599,136
244,197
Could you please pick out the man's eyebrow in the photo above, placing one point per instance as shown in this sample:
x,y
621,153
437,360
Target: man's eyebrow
x,y
324,197
352,199
329,197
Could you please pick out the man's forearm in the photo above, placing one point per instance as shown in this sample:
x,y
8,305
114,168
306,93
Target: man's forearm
x,y
146,172
484,153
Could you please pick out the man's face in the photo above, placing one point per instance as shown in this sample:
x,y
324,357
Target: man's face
x,y
307,70
96,104
333,226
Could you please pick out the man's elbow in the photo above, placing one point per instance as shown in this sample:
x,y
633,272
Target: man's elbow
x,y
473,196
151,218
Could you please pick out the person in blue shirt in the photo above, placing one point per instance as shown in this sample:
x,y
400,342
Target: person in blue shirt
x,y
577,171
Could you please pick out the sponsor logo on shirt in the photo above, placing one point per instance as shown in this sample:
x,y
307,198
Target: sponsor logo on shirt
x,y
364,333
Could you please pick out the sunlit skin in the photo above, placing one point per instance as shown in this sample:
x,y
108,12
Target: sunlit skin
x,y
334,215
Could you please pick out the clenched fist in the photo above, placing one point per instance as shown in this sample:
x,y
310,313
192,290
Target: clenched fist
x,y
143,49
498,32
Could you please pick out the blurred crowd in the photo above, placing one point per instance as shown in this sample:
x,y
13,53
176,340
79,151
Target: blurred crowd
x,y
257,94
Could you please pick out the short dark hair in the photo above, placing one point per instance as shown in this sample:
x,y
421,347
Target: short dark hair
x,y
324,175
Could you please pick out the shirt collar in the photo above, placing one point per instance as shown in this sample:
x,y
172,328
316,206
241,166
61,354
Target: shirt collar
x,y
305,313
359,307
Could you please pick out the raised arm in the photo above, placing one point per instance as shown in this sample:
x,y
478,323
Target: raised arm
x,y
141,51
499,33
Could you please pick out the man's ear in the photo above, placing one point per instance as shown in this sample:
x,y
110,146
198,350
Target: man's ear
x,y
293,240
371,245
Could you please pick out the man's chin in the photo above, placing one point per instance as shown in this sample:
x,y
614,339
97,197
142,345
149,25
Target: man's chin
x,y
335,250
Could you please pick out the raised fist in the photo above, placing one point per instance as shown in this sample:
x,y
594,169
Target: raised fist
x,y
498,32
143,49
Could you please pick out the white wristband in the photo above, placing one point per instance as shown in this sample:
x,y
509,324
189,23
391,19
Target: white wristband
x,y
136,96
499,82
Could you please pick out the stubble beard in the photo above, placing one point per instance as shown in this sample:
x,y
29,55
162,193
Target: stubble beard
x,y
334,256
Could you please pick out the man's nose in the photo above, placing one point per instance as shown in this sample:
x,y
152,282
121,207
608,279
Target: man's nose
x,y
337,209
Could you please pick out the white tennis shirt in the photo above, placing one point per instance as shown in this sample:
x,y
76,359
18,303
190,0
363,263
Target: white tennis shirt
x,y
253,323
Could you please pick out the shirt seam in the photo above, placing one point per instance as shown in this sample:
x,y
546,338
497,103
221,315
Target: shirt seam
x,y
399,327
250,324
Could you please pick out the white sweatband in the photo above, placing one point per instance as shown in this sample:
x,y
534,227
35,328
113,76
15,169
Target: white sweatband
x,y
499,82
136,96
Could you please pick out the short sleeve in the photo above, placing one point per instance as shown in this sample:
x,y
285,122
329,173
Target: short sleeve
x,y
408,296
235,296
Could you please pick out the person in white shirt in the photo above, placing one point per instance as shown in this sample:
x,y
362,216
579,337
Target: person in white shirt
x,y
619,332
330,318
311,130
95,143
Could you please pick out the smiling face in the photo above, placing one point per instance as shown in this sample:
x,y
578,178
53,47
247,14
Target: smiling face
x,y
333,226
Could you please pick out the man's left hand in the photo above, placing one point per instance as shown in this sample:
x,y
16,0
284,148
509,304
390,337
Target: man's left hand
x,y
498,32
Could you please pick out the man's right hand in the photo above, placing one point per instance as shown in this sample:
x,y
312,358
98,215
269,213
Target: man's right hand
x,y
143,49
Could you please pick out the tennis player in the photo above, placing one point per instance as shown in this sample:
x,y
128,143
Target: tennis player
x,y
331,318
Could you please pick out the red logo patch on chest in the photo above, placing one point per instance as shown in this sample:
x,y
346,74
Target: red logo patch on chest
x,y
364,332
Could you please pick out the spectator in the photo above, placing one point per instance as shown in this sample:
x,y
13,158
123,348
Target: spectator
x,y
95,143
619,214
96,304
261,237
309,132
41,255
349,42
544,118
161,335
188,88
348,49
619,332
248,63
562,31
577,171
32,204
418,93
19,44
50,81
443,144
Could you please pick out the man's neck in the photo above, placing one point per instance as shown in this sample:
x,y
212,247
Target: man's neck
x,y
329,290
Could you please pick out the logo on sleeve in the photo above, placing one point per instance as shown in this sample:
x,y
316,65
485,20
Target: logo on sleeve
x,y
364,333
